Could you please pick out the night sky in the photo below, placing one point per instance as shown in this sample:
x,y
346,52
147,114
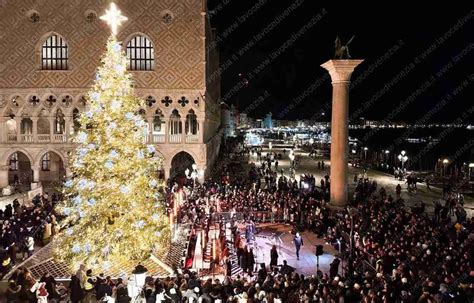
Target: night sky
x,y
419,69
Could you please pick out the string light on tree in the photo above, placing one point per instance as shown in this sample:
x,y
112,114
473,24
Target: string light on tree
x,y
113,208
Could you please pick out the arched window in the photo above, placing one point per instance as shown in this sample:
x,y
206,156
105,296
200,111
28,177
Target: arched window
x,y
45,161
191,123
158,122
175,123
54,54
140,54
13,165
59,122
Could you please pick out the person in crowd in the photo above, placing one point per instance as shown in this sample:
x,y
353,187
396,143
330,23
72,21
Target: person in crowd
x,y
273,257
89,286
76,293
298,241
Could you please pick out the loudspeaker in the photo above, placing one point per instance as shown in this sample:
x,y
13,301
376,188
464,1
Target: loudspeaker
x,y
319,250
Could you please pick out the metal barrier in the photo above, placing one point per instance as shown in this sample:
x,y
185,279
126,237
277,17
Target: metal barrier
x,y
256,216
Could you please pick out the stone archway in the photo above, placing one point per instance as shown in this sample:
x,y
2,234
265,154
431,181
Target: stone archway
x,y
51,168
180,162
20,172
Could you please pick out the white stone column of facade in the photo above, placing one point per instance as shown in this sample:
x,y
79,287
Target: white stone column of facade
x,y
167,170
34,125
201,130
340,72
67,127
68,172
167,131
149,120
51,128
18,128
3,176
183,129
3,129
36,173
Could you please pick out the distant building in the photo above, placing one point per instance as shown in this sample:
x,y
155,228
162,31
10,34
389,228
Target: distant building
x,y
227,120
244,121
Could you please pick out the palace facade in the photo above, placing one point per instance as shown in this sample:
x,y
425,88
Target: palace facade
x,y
49,53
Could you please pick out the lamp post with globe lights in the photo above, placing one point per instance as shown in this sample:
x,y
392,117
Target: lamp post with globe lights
x,y
445,165
292,163
402,157
387,156
192,174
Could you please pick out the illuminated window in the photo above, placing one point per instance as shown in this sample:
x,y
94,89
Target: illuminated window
x,y
140,54
13,165
54,54
45,161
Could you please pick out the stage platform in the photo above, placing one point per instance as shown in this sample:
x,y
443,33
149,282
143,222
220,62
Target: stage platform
x,y
307,264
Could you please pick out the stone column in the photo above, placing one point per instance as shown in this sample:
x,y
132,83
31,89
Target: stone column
x,y
36,173
3,176
34,125
3,130
150,129
68,172
201,130
340,72
18,128
67,127
183,129
52,125
167,131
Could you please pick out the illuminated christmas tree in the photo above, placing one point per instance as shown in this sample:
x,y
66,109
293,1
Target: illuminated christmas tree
x,y
113,206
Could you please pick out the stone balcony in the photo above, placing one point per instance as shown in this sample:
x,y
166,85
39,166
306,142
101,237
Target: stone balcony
x,y
64,138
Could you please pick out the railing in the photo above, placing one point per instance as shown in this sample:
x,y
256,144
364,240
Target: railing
x,y
157,138
176,138
11,137
256,216
44,138
26,138
59,138
192,138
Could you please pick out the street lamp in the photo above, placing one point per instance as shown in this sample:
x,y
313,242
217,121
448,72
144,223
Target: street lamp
x,y
471,169
351,211
365,152
403,158
386,155
292,159
192,175
445,164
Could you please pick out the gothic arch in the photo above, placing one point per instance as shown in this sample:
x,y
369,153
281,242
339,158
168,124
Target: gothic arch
x,y
37,160
8,153
181,161
42,40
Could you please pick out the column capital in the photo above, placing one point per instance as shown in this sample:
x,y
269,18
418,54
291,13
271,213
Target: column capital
x,y
35,167
341,70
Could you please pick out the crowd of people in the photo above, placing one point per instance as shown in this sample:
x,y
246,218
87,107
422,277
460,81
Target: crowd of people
x,y
23,225
390,252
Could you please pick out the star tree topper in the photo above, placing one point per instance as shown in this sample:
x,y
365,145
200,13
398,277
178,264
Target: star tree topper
x,y
114,18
